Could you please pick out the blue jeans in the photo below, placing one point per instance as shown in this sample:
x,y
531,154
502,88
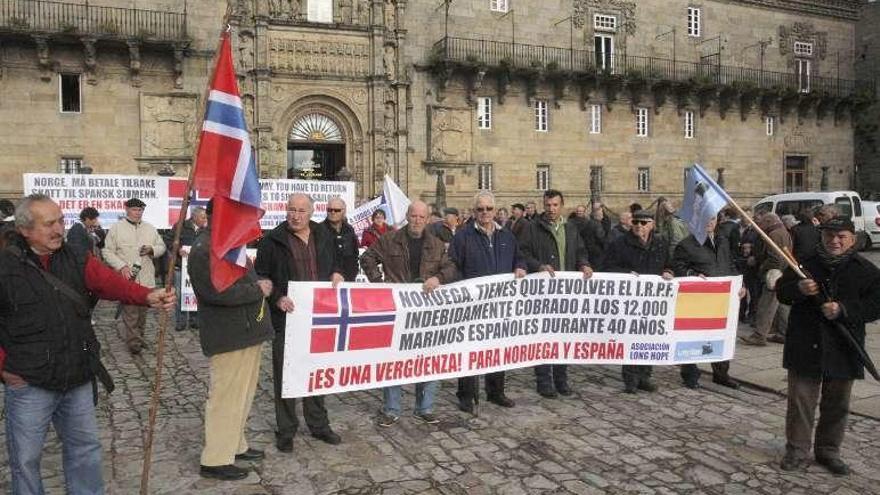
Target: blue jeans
x,y
424,398
29,410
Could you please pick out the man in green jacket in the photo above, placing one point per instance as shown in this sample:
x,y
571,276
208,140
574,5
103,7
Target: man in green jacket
x,y
233,326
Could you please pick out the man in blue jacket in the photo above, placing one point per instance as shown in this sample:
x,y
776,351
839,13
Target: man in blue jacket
x,y
480,249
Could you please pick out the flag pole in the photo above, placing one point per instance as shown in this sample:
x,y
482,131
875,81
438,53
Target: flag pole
x,y
169,276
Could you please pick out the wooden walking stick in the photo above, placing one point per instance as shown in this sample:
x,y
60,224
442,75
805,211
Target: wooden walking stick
x,y
169,282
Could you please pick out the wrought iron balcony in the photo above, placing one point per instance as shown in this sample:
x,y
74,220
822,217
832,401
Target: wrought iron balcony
x,y
494,54
39,17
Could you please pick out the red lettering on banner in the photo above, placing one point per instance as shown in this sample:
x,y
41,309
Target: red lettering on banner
x,y
484,359
417,367
598,350
321,379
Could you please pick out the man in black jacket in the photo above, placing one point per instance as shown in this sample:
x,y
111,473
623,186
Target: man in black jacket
x,y
296,250
641,251
843,289
87,234
236,322
197,221
709,259
344,239
549,243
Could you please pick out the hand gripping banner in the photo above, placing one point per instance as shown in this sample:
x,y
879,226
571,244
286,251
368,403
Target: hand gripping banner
x,y
362,336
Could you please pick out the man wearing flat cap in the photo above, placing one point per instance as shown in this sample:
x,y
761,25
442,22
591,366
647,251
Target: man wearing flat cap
x,y
843,288
445,230
130,247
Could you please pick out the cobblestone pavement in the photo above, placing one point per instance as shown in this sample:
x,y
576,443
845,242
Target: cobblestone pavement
x,y
599,441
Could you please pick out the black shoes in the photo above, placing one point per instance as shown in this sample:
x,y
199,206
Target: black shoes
x,y
466,406
833,464
502,401
726,381
250,455
647,385
792,462
229,472
328,437
629,388
692,385
564,390
284,444
548,393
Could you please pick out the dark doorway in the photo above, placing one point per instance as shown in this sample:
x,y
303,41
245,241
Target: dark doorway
x,y
795,173
314,161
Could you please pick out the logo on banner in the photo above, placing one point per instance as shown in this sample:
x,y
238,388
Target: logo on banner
x,y
352,319
699,350
176,191
702,305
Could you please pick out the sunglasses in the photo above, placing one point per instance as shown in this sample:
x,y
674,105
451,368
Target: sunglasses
x,y
482,209
641,222
334,210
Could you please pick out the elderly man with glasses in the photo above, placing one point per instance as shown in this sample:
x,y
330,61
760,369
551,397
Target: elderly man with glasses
x,y
480,249
345,240
641,251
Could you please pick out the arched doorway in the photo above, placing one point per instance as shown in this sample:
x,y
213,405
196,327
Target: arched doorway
x,y
315,148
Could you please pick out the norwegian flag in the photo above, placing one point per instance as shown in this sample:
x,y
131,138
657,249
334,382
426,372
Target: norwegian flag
x,y
351,320
226,171
176,192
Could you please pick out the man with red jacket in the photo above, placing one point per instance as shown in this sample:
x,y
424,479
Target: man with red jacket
x,y
47,291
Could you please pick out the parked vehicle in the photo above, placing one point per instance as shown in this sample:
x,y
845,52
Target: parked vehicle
x,y
849,203
871,214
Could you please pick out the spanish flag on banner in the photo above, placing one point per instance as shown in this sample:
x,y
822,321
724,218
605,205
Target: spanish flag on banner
x,y
702,305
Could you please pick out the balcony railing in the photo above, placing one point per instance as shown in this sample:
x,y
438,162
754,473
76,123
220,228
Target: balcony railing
x,y
518,55
45,17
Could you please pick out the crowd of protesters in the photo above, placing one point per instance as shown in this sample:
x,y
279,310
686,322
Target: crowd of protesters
x,y
432,249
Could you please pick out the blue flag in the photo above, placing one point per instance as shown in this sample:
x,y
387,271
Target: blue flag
x,y
703,199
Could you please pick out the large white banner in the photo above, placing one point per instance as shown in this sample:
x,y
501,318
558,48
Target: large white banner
x,y
362,336
164,196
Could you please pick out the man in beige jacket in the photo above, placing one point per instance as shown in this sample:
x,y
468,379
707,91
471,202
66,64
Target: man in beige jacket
x,y
130,248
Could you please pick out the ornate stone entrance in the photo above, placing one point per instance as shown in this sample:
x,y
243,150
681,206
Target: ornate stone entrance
x,y
315,148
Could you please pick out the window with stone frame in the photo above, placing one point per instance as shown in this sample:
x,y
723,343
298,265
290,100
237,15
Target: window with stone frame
x,y
319,11
643,179
694,22
484,112
70,93
770,125
802,69
595,119
499,5
70,164
689,127
803,49
541,116
642,122
484,176
596,180
542,176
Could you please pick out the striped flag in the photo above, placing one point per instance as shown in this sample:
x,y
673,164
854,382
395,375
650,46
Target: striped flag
x,y
703,199
225,171
702,305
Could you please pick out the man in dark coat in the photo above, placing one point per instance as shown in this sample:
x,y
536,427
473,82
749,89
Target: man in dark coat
x,y
87,234
296,250
641,251
197,221
235,323
844,289
445,229
548,244
478,250
344,239
805,236
709,259
518,220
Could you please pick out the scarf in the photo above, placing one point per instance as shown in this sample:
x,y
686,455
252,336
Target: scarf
x,y
833,261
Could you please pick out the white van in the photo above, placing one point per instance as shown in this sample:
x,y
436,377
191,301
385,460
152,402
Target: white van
x,y
871,214
849,202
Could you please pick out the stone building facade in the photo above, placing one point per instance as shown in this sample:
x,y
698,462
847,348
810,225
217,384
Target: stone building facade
x,y
610,98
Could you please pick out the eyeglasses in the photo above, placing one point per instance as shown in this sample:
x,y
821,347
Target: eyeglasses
x,y
334,210
482,209
641,222
301,212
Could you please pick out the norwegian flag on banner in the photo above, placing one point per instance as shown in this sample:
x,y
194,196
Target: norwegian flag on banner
x,y
225,171
351,319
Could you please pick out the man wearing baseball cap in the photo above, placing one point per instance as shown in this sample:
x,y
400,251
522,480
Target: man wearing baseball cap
x,y
842,288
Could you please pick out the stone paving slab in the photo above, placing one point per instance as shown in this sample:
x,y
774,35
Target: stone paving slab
x,y
713,440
